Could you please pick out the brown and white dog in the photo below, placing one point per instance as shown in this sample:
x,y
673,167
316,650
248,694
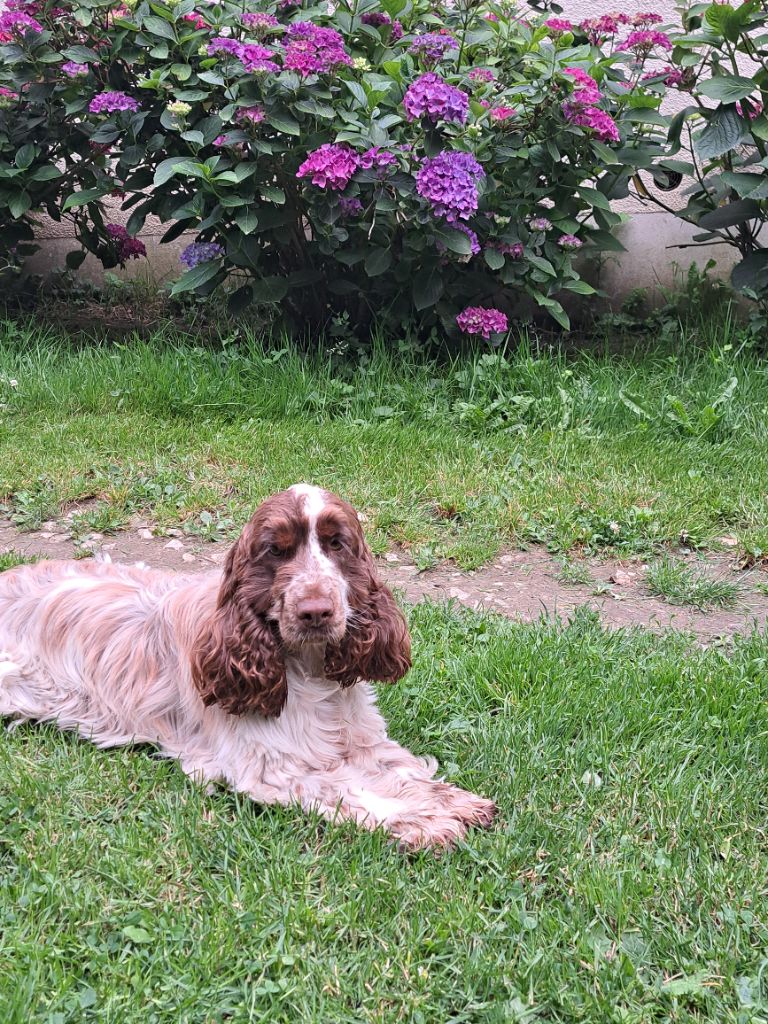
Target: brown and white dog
x,y
247,677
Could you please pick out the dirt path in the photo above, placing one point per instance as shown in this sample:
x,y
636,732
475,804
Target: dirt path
x,y
523,585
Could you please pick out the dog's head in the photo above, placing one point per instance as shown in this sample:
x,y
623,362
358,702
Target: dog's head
x,y
300,576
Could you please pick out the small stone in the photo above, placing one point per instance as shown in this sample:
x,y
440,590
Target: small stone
x,y
50,525
108,547
728,542
391,557
620,577
188,556
407,568
146,534
174,545
172,532
59,538
506,559
45,534
95,536
458,594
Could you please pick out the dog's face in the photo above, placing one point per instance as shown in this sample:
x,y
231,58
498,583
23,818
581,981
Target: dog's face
x,y
300,576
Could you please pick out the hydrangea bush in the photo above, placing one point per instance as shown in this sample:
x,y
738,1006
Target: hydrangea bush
x,y
394,159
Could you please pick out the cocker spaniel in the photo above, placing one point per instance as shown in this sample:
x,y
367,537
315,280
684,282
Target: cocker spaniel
x,y
257,677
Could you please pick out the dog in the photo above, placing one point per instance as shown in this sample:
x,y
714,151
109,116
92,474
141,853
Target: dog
x,y
257,677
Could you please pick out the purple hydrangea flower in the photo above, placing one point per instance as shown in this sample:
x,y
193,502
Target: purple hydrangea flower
x,y
512,249
127,247
312,50
201,252
17,23
397,31
223,45
645,18
111,102
74,70
481,75
376,19
251,115
449,182
539,224
585,91
350,207
570,242
376,158
261,24
482,320
434,99
432,47
330,166
252,56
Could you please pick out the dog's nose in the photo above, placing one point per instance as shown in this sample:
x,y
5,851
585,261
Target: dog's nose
x,y
314,611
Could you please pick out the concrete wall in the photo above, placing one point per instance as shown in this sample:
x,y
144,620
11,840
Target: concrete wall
x,y
651,236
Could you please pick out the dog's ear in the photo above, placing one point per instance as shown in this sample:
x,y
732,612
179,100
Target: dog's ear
x,y
237,662
377,644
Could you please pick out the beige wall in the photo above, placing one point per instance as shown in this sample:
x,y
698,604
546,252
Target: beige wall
x,y
650,235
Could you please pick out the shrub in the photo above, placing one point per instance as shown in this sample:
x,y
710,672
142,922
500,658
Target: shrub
x,y
376,157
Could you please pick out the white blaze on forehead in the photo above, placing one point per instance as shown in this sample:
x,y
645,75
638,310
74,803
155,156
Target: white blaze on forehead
x,y
314,503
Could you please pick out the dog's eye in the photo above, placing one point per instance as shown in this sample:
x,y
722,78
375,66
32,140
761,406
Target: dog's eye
x,y
335,544
276,551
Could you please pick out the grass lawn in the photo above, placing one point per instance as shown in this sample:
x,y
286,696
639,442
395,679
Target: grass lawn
x,y
626,881
454,459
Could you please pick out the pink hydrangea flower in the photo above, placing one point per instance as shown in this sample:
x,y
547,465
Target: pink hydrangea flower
x,y
431,47
641,43
375,157
112,102
483,321
312,50
195,19
558,25
330,166
7,97
668,75
252,56
433,98
260,23
752,109
645,18
512,249
481,75
599,29
586,92
16,24
502,113
128,248
602,124
251,115
569,242
540,224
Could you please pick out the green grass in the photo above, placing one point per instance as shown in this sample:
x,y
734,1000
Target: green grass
x,y
678,583
129,896
454,458
9,559
574,573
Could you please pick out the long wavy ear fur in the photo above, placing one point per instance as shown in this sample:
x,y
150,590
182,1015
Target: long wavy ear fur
x,y
377,645
237,662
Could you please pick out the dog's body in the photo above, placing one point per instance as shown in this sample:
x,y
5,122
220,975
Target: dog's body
x,y
244,676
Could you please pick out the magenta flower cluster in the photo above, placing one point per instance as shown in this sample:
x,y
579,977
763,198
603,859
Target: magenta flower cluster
x,y
449,182
481,75
74,70
17,23
330,166
260,23
377,157
512,249
641,43
598,122
598,29
201,252
431,97
559,25
376,19
111,103
312,50
502,113
483,321
671,77
251,115
585,90
432,47
252,56
127,247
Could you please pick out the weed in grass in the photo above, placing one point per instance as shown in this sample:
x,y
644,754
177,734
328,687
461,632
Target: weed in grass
x,y
573,573
104,518
9,559
678,583
211,526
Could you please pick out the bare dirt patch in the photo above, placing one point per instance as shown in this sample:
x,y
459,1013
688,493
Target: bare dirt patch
x,y
524,585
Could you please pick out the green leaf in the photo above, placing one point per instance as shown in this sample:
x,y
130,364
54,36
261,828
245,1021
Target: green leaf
x,y
604,240
139,935
427,288
45,173
645,115
197,276
725,20
690,986
358,92
87,195
75,258
752,272
247,220
729,215
594,197
24,156
580,288
493,258
273,193
166,169
378,261
81,55
744,184
285,124
19,203
181,71
159,27
724,131
727,88
455,240
270,289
